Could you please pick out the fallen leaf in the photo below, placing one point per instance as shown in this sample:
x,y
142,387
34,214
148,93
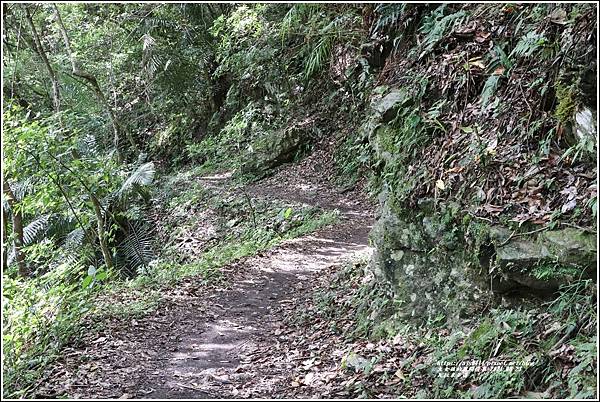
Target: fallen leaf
x,y
558,16
569,205
481,36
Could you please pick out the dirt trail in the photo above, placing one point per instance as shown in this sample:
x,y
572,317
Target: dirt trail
x,y
200,343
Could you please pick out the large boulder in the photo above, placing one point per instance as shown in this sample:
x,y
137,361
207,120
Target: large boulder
x,y
272,149
386,105
543,262
432,273
438,268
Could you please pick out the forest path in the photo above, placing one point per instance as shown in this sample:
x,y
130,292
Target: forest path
x,y
204,343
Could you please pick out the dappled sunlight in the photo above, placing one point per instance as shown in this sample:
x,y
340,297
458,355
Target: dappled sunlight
x,y
209,200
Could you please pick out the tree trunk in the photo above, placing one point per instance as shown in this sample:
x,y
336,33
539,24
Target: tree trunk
x,y
102,234
94,84
4,238
17,223
42,53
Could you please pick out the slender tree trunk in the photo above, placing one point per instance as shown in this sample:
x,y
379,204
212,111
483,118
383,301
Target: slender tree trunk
x,y
42,53
102,234
94,84
4,238
17,223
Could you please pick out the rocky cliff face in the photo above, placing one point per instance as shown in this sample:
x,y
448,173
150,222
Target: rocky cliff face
x,y
446,265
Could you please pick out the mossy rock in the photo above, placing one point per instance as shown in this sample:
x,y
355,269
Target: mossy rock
x,y
546,261
387,106
431,273
273,149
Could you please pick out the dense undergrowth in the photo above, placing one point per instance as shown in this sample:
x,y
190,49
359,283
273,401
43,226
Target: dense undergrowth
x,y
538,349
50,311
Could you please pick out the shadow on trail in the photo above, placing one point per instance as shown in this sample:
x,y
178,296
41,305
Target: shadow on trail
x,y
204,342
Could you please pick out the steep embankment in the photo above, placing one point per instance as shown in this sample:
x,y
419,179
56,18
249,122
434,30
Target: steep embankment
x,y
486,156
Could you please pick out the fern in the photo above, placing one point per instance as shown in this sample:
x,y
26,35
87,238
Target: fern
x,y
528,45
74,239
389,17
436,26
158,24
136,251
87,146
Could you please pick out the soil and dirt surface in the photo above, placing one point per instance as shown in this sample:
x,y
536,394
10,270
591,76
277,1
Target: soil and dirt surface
x,y
233,339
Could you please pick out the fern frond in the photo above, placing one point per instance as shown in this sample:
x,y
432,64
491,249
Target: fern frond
x,y
136,248
87,145
158,24
436,26
142,176
36,230
389,16
528,45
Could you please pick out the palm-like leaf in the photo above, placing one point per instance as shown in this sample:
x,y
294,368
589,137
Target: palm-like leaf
x,y
36,229
23,188
142,176
136,251
74,239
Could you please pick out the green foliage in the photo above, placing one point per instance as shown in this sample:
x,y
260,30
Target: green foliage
x,y
59,210
388,16
436,25
352,158
319,54
225,149
39,317
529,44
136,251
553,271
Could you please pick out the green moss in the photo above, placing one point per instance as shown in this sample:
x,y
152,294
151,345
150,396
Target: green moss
x,y
565,109
550,271
386,138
